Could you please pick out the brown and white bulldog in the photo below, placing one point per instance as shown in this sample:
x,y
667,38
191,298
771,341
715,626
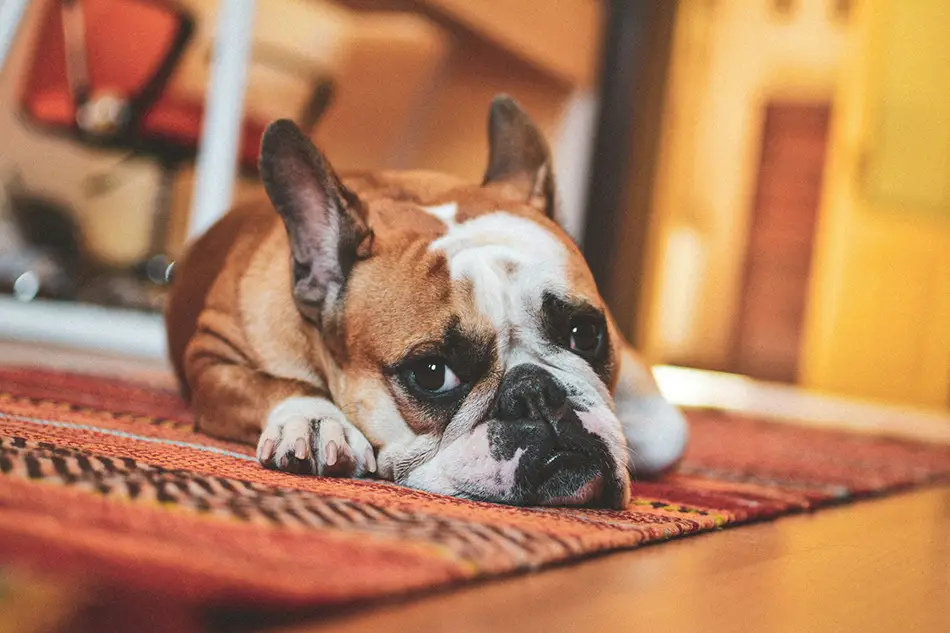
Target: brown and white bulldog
x,y
443,335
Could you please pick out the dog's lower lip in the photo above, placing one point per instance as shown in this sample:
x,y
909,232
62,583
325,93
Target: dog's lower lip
x,y
585,494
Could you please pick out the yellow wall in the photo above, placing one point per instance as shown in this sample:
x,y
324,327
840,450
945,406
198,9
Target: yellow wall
x,y
729,59
878,323
878,315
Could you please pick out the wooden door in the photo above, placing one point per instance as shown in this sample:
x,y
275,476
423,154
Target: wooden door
x,y
781,236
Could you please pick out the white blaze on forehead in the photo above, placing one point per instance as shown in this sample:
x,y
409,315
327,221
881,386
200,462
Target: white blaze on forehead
x,y
510,261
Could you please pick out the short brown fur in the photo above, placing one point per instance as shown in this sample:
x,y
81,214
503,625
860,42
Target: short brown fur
x,y
232,325
302,322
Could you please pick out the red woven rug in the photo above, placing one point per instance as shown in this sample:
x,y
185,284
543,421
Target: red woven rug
x,y
106,479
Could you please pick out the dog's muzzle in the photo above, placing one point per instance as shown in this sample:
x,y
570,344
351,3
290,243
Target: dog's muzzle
x,y
561,462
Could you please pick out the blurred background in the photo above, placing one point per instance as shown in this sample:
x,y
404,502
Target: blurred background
x,y
762,187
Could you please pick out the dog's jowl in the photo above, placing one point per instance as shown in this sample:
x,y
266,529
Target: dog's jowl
x,y
407,325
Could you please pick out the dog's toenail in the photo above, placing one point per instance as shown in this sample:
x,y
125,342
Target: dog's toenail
x,y
267,450
370,460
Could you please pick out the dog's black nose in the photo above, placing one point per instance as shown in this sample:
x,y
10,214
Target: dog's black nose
x,y
530,393
559,462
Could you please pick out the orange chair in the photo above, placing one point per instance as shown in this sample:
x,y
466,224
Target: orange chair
x,y
99,76
100,72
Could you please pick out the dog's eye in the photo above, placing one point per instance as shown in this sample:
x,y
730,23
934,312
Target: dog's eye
x,y
432,375
587,336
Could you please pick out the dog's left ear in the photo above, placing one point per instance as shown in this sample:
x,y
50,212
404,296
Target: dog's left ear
x,y
519,161
326,224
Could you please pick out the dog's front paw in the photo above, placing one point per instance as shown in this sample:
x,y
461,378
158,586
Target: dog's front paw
x,y
312,436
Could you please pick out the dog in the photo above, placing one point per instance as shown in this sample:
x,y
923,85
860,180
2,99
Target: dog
x,y
410,326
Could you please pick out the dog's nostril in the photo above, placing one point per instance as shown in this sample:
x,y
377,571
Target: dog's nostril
x,y
513,406
522,408
554,397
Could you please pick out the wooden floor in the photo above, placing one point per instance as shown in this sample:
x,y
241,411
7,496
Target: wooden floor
x,y
878,565
881,565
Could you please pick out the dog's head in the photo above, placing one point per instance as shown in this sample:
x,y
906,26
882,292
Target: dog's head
x,y
468,340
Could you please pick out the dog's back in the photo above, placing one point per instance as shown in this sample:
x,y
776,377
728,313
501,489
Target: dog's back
x,y
233,236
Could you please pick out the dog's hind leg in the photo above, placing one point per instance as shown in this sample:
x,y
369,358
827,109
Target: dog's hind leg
x,y
655,430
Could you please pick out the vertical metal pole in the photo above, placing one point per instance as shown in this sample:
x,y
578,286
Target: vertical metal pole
x,y
11,15
224,111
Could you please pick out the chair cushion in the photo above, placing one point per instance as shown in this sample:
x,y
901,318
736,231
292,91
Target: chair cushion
x,y
170,121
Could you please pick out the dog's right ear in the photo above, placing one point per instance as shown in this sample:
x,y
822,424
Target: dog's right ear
x,y
519,161
325,222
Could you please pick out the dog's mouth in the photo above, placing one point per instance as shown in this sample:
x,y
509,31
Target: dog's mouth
x,y
561,460
559,463
572,478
